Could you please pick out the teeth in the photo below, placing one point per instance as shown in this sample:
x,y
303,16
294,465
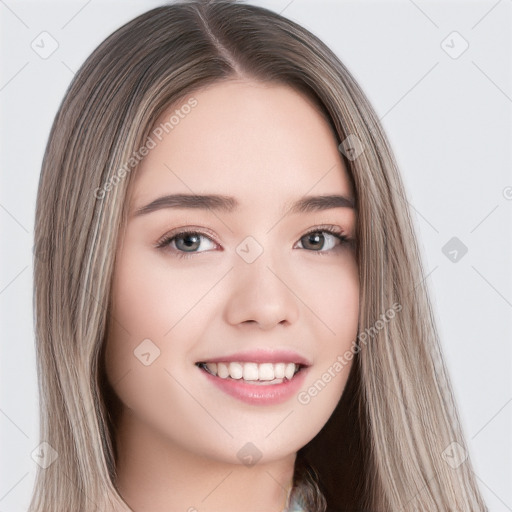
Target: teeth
x,y
253,371
279,369
250,371
236,370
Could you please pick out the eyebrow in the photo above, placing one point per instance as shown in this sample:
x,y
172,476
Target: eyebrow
x,y
229,204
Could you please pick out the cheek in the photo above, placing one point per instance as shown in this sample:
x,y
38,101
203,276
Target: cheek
x,y
335,301
150,300
153,304
155,293
333,294
142,355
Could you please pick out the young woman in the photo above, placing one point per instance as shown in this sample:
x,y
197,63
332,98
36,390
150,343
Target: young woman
x,y
230,312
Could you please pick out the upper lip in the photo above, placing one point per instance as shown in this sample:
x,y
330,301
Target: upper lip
x,y
261,356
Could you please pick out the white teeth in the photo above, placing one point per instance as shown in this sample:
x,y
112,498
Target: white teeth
x,y
289,370
253,371
266,371
279,370
236,370
250,371
222,370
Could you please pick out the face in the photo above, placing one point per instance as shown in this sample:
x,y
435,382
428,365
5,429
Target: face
x,y
251,278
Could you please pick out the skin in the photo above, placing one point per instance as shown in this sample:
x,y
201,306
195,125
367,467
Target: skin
x,y
265,145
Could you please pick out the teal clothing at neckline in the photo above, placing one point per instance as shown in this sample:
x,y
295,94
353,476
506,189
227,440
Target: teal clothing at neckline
x,y
295,505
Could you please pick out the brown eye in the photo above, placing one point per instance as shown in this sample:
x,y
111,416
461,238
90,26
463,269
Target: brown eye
x,y
317,240
313,240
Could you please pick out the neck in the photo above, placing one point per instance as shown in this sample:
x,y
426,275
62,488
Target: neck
x,y
155,473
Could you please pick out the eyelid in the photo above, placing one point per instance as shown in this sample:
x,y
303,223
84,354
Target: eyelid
x,y
187,229
327,227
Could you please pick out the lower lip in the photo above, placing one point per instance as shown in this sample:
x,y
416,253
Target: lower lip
x,y
259,394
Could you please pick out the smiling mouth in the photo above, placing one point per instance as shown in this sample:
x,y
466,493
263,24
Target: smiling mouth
x,y
252,373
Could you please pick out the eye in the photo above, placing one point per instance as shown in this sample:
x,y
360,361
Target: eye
x,y
315,239
183,242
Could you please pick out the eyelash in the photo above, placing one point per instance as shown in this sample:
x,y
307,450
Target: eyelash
x,y
332,230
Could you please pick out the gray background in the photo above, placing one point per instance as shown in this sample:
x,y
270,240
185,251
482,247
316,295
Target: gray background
x,y
449,122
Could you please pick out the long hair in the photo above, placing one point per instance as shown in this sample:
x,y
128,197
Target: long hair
x,y
385,446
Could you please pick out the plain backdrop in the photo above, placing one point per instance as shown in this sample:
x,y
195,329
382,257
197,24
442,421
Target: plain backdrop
x,y
439,77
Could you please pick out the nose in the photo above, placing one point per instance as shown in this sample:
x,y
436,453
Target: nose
x,y
261,293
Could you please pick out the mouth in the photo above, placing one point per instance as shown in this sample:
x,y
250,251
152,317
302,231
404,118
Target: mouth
x,y
262,374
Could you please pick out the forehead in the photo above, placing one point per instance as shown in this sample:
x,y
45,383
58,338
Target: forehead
x,y
260,142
